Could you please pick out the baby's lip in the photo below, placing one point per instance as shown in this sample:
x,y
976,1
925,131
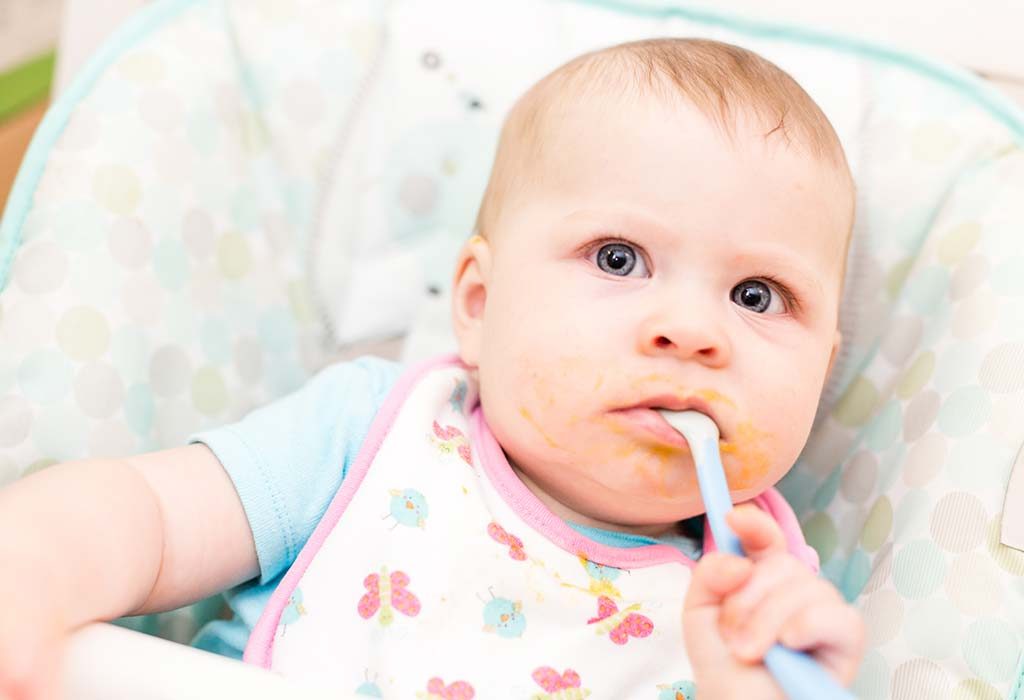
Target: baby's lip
x,y
671,402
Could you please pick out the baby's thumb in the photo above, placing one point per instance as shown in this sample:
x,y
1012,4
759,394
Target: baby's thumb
x,y
716,576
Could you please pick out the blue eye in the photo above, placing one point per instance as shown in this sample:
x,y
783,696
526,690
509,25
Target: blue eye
x,y
620,259
757,296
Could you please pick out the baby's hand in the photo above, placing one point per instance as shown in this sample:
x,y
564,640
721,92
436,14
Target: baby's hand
x,y
32,637
737,608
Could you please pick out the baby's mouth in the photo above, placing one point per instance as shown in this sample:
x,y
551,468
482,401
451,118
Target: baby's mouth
x,y
644,417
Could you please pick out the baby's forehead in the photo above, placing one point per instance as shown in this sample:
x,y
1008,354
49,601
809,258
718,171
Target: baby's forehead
x,y
732,87
744,97
562,128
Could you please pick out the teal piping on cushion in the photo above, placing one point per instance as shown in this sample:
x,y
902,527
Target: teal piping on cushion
x,y
962,81
1018,686
136,28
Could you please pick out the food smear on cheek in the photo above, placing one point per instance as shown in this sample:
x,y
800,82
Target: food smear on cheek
x,y
660,468
545,393
712,396
749,453
751,457
561,379
663,380
525,413
667,469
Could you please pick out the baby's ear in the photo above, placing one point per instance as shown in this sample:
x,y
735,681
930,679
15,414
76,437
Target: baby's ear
x,y
836,344
469,295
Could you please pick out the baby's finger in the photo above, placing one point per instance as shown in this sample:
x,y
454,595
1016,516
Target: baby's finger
x,y
768,574
835,635
763,625
716,576
757,531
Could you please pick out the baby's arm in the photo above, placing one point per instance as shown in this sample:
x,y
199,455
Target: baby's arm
x,y
98,539
736,608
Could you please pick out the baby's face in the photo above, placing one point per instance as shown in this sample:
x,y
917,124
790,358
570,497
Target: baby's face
x,y
652,262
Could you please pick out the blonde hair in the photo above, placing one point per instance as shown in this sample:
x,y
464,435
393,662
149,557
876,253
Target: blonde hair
x,y
721,80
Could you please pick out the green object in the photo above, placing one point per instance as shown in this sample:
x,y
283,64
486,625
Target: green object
x,y
26,84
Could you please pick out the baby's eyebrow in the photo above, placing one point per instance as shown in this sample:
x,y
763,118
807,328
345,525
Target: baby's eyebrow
x,y
615,221
788,266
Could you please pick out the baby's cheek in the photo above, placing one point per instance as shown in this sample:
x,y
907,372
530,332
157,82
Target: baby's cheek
x,y
666,472
550,395
750,457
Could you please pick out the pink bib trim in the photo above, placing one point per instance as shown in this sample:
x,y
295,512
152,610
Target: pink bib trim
x,y
537,515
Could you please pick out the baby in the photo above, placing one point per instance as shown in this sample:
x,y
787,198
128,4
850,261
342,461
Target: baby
x,y
665,226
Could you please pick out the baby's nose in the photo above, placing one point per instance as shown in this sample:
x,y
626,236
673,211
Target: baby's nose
x,y
687,337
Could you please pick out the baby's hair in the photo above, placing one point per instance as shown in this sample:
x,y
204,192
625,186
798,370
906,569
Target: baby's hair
x,y
725,82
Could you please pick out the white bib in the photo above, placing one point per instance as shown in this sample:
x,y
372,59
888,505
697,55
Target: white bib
x,y
436,574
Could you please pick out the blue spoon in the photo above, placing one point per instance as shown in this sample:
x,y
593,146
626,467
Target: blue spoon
x,y
800,676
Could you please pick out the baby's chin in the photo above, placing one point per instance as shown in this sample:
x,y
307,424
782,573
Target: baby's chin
x,y
642,512
644,509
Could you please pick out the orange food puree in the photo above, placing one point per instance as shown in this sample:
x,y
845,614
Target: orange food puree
x,y
750,459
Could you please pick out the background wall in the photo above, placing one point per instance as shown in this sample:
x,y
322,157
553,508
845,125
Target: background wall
x,y
86,23
27,28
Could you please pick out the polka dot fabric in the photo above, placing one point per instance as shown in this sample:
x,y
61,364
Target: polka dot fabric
x,y
158,285
190,248
904,480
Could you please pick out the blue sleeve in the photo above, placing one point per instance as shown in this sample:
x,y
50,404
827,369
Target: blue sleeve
x,y
288,458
